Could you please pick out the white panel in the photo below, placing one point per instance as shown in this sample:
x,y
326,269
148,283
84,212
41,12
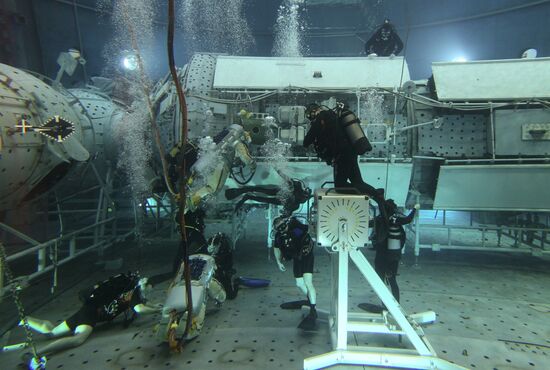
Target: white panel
x,y
331,208
314,174
514,130
493,79
337,73
494,187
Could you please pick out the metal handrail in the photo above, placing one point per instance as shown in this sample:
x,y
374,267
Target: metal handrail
x,y
55,240
483,226
73,253
495,160
103,243
361,159
484,229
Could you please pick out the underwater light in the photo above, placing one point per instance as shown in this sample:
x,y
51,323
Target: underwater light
x,y
460,60
130,62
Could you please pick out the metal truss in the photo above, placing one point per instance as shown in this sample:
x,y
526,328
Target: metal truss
x,y
86,222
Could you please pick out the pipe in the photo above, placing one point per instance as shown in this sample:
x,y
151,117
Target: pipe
x,y
50,242
486,249
496,160
491,116
19,234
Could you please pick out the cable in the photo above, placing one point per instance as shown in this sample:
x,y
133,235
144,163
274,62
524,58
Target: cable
x,y
420,99
183,109
236,101
244,180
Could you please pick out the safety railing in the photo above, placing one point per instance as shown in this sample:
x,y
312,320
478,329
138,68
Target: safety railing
x,y
62,249
490,238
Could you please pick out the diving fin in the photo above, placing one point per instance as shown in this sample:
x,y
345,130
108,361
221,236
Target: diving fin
x,y
233,193
294,305
309,323
369,307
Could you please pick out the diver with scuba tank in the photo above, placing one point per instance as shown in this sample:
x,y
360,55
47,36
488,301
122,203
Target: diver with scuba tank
x,y
338,139
293,242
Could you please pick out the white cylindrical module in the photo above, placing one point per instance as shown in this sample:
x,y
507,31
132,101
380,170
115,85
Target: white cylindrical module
x,y
43,132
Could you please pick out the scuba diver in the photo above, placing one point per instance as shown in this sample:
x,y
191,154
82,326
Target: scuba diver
x,y
122,293
389,249
291,196
338,140
292,242
385,42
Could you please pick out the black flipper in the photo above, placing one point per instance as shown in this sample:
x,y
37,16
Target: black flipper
x,y
369,307
233,193
309,323
294,305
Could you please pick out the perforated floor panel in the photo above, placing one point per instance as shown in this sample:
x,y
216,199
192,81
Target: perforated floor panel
x,y
493,313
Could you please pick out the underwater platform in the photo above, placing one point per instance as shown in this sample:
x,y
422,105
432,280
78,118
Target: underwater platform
x,y
492,313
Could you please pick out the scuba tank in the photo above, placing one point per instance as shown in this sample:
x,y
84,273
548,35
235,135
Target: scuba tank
x,y
351,126
396,234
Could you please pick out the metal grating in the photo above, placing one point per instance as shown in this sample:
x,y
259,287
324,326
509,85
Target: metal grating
x,y
199,81
459,135
377,134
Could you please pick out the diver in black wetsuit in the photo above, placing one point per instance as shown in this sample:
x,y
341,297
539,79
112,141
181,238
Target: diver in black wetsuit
x,y
388,250
273,194
293,242
333,146
384,42
120,294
